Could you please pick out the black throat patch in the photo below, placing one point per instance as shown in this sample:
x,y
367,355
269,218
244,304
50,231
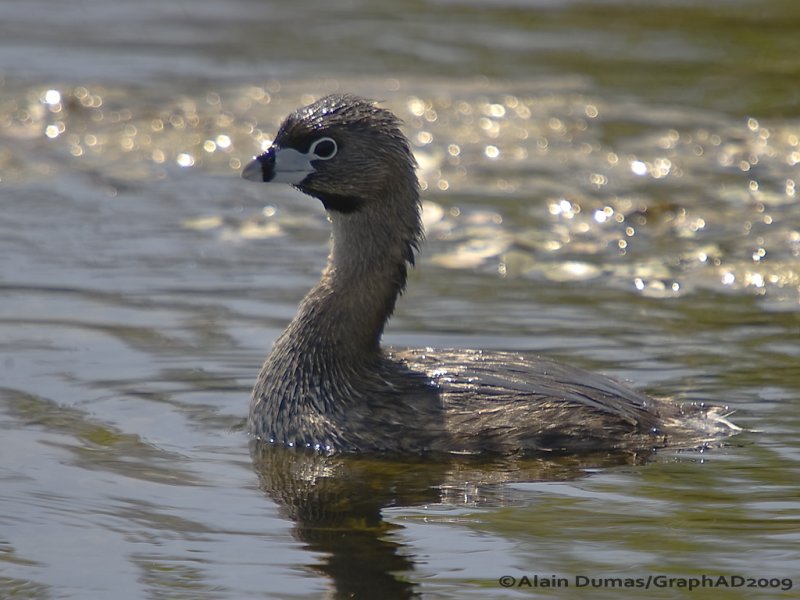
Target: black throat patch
x,y
342,204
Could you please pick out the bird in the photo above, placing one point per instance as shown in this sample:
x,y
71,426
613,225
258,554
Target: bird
x,y
329,385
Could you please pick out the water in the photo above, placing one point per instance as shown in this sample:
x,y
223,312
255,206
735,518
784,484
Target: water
x,y
606,184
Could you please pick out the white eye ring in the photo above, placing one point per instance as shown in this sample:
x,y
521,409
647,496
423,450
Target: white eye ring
x,y
330,154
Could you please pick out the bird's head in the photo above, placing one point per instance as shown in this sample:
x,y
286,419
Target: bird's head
x,y
343,150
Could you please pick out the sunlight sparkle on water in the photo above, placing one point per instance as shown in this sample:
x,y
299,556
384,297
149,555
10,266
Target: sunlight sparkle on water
x,y
424,138
494,110
185,160
602,215
563,208
754,279
598,179
416,107
638,168
54,130
52,97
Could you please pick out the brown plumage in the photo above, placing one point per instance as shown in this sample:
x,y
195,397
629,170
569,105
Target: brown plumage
x,y
328,384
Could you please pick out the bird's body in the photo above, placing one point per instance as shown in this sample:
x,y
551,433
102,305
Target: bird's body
x,y
328,384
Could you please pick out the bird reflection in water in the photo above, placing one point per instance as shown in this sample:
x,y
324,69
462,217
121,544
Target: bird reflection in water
x,y
336,503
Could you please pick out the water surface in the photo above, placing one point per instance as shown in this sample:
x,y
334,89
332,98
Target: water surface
x,y
605,184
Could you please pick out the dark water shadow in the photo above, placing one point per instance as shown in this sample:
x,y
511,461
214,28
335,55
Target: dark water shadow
x,y
336,503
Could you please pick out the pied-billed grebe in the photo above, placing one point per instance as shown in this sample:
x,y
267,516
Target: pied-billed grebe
x,y
328,384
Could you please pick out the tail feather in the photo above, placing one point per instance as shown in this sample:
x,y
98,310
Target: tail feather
x,y
697,424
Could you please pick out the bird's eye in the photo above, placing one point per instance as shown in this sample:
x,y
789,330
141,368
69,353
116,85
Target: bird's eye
x,y
324,148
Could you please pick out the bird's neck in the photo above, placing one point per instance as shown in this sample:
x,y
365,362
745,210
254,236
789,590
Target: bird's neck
x,y
346,312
